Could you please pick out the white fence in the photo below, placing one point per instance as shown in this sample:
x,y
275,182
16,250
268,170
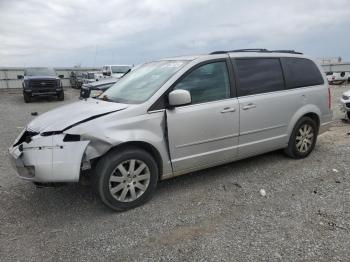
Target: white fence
x,y
341,67
8,75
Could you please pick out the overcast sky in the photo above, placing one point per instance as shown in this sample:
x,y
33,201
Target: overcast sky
x,y
93,33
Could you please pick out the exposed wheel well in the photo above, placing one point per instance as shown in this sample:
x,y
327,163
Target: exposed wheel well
x,y
314,117
145,146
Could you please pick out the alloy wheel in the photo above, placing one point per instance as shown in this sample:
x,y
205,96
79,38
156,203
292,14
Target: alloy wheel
x,y
129,180
304,138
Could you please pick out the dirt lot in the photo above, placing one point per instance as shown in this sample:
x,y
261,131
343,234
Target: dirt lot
x,y
211,215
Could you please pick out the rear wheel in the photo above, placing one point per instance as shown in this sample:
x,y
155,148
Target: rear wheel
x,y
125,179
303,138
27,97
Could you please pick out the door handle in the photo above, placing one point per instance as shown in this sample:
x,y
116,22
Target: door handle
x,y
228,109
249,106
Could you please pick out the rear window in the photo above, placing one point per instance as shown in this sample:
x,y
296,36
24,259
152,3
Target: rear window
x,y
259,75
301,72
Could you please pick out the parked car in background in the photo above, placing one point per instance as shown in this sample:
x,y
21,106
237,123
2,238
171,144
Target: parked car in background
x,y
96,88
345,100
116,71
174,116
76,79
41,81
90,77
338,78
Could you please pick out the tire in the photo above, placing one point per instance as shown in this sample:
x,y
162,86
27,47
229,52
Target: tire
x,y
118,185
60,96
27,98
348,114
300,145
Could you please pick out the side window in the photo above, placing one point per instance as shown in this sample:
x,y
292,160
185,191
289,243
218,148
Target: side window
x,y
300,72
259,75
207,83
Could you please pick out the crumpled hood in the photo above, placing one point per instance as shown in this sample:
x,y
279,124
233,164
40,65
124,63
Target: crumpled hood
x,y
68,115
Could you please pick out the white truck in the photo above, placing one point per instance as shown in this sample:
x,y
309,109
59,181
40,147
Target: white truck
x,y
116,71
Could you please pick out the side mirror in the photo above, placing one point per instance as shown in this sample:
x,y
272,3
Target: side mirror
x,y
61,76
20,77
179,97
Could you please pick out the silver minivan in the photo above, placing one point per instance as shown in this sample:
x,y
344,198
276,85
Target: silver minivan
x,y
175,116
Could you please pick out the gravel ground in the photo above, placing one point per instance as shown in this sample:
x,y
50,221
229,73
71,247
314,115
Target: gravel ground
x,y
212,215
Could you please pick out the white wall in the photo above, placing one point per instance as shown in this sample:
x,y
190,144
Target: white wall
x,y
8,75
336,67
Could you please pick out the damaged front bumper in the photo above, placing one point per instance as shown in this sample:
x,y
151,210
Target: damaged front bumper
x,y
47,159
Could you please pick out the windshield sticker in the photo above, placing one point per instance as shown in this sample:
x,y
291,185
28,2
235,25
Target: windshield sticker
x,y
172,65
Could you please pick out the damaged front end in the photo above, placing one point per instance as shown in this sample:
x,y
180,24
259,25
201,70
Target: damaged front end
x,y
43,155
53,158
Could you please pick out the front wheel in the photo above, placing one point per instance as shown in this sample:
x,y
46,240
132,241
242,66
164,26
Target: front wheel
x,y
125,179
60,96
348,114
303,138
27,97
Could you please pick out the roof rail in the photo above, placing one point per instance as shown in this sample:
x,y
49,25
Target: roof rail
x,y
286,51
258,50
250,50
218,52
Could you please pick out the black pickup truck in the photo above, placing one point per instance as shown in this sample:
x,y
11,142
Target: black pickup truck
x,y
41,81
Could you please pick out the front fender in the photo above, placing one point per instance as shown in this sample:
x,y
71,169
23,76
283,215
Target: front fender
x,y
107,133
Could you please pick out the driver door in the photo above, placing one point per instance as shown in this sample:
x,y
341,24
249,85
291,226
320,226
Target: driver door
x,y
204,133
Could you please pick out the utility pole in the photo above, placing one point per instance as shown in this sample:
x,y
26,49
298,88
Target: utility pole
x,y
95,56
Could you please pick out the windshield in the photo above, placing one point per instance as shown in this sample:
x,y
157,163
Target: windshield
x,y
120,69
139,85
39,72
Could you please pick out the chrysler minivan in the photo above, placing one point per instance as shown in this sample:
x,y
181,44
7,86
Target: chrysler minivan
x,y
177,115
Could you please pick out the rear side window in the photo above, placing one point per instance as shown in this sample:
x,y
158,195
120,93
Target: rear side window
x,y
259,75
301,72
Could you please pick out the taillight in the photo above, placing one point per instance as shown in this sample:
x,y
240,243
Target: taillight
x,y
329,98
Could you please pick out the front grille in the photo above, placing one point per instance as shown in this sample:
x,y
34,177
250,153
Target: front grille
x,y
42,84
26,137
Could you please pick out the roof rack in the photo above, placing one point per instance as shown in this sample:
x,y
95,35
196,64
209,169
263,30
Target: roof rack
x,y
259,50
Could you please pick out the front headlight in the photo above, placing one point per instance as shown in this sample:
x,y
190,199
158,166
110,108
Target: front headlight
x,y
345,97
